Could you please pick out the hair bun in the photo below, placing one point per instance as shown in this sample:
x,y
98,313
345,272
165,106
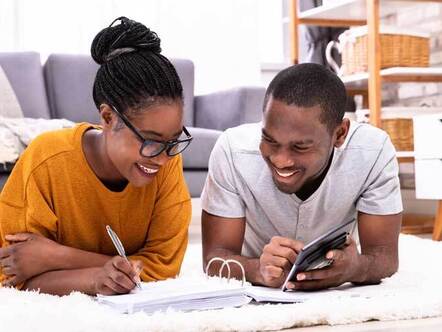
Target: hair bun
x,y
128,36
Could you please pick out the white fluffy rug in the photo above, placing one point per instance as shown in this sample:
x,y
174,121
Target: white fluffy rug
x,y
414,292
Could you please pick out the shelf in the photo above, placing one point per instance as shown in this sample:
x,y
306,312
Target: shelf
x,y
396,74
417,224
354,11
405,156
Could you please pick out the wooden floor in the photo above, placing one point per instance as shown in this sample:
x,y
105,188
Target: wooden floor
x,y
415,325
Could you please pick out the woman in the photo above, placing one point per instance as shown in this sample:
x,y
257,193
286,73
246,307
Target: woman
x,y
127,173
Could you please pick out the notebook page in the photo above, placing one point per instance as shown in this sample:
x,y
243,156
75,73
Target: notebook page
x,y
267,294
175,291
198,304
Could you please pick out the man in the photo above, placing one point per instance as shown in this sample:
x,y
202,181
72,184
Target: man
x,y
275,186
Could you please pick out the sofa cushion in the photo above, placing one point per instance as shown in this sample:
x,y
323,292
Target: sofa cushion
x,y
195,180
230,108
70,79
69,82
196,156
186,72
25,74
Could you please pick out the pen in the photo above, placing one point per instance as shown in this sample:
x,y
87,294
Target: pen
x,y
119,246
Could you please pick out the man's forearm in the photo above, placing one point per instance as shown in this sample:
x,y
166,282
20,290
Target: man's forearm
x,y
250,265
68,258
375,265
63,282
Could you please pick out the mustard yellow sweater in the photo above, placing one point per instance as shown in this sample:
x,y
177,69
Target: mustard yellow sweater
x,y
53,191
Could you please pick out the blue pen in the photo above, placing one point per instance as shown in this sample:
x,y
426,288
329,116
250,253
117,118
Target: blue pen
x,y
119,246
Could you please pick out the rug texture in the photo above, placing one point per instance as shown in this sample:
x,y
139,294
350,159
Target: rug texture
x,y
414,292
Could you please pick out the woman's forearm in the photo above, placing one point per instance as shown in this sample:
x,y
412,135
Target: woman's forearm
x,y
68,258
64,282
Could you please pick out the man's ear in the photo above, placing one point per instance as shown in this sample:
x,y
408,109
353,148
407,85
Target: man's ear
x,y
341,132
107,116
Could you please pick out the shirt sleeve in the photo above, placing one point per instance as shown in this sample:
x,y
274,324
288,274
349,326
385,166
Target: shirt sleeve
x,y
25,205
220,195
382,194
167,236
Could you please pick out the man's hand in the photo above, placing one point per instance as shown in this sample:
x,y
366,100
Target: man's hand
x,y
344,267
117,276
276,260
27,255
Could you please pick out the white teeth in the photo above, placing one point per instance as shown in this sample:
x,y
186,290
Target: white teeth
x,y
147,170
285,175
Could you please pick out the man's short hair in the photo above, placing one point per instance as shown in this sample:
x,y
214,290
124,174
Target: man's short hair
x,y
308,85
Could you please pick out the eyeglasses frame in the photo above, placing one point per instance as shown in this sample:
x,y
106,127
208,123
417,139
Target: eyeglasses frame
x,y
167,146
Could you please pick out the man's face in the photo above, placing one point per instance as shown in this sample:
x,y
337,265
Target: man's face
x,y
295,144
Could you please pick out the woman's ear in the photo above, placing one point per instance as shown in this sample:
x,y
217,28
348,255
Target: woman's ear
x,y
341,132
107,117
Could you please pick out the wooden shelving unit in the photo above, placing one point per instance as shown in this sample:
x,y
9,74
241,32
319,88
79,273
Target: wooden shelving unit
x,y
405,156
395,75
346,13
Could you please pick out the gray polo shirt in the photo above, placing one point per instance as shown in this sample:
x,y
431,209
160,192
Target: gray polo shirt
x,y
363,176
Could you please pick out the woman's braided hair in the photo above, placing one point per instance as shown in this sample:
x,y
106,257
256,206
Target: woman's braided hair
x,y
132,74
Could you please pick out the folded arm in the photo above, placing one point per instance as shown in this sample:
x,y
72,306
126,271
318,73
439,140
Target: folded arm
x,y
31,254
224,237
34,262
117,276
379,247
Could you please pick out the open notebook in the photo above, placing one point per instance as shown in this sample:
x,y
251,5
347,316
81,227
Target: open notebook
x,y
203,294
198,294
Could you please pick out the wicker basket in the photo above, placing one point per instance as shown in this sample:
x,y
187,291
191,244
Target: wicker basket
x,y
401,133
398,123
399,48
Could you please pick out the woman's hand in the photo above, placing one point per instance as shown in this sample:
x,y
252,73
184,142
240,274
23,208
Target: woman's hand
x,y
27,255
117,276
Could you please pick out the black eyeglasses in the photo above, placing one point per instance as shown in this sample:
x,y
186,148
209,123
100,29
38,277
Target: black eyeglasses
x,y
151,148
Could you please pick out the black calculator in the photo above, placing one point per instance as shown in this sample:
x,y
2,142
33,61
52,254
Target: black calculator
x,y
312,256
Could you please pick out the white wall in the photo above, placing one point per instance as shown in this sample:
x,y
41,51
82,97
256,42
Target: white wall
x,y
226,39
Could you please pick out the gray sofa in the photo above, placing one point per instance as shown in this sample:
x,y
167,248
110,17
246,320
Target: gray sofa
x,y
62,88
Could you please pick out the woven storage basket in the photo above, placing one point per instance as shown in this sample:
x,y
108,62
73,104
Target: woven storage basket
x,y
401,133
398,123
399,48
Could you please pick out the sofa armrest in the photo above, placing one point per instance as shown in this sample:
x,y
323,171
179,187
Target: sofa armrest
x,y
196,156
230,108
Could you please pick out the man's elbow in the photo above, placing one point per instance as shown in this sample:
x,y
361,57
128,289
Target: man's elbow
x,y
385,273
209,256
214,258
392,268
378,271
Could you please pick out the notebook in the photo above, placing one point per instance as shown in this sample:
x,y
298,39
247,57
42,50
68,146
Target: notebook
x,y
201,293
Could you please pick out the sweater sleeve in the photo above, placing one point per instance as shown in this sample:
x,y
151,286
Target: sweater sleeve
x,y
25,205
